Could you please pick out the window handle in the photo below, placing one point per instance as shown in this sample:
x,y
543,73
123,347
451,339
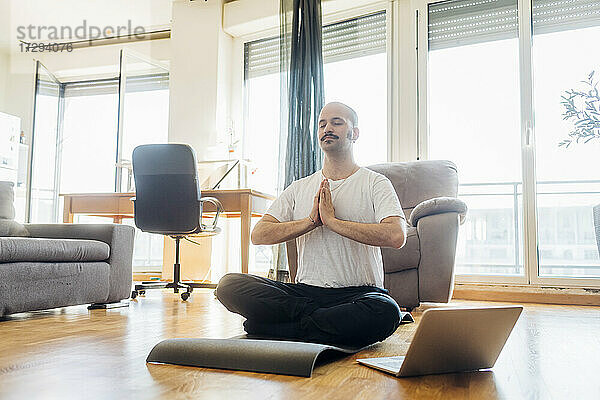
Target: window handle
x,y
528,134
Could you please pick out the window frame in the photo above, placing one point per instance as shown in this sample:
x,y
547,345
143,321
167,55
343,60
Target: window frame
x,y
407,99
527,128
239,103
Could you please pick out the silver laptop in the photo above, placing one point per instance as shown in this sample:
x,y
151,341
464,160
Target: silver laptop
x,y
453,340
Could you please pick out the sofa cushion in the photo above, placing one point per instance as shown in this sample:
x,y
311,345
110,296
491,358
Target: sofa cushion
x,y
18,249
9,227
407,257
7,198
29,286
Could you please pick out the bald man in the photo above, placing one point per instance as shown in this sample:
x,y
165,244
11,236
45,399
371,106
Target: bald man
x,y
339,216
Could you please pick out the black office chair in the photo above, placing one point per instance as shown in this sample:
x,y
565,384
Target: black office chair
x,y
168,202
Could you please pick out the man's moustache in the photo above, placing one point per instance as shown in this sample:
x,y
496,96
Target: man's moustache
x,y
329,136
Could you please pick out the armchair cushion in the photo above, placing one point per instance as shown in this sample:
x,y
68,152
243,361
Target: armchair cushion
x,y
7,197
406,257
18,249
8,227
438,205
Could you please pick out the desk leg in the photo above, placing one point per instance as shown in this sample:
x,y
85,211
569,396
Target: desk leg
x,y
245,221
67,214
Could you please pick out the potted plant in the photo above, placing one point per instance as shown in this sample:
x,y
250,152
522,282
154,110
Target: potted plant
x,y
582,107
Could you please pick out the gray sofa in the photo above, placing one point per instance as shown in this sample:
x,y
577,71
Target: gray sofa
x,y
45,266
423,270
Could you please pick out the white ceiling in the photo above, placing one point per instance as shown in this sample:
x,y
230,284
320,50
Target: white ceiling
x,y
150,14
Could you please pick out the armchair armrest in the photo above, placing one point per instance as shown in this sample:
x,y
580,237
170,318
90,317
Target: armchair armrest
x,y
118,237
438,235
438,205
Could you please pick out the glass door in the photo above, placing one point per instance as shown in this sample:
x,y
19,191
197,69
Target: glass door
x,y
567,138
43,200
509,93
143,110
471,54
143,118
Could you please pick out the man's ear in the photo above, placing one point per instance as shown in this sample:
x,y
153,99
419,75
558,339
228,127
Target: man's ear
x,y
355,134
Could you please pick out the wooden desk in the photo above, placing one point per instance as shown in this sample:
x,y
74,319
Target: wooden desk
x,y
243,203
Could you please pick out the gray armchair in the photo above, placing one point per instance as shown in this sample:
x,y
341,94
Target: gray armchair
x,y
423,270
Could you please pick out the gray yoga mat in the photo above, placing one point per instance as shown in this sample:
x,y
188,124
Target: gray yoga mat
x,y
250,353
245,354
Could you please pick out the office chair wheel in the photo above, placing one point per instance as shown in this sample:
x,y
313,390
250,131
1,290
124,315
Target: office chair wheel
x,y
134,294
185,296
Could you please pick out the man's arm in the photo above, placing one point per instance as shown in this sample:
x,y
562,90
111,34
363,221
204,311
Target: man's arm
x,y
390,232
270,231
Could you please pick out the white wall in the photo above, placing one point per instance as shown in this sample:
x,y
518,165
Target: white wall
x,y
4,63
18,71
85,63
200,78
4,56
249,20
73,14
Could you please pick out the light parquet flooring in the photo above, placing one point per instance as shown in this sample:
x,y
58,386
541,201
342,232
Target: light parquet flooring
x,y
73,353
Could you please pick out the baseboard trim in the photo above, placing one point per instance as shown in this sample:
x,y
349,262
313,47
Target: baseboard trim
x,y
526,294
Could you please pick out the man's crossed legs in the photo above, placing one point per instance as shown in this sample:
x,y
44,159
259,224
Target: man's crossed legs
x,y
352,316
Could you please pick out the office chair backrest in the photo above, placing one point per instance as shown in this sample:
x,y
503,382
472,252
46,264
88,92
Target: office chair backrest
x,y
167,191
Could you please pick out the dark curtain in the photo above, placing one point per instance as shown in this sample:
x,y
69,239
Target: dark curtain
x,y
302,72
301,97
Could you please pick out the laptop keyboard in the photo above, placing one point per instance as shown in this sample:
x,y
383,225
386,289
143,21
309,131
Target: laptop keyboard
x,y
391,362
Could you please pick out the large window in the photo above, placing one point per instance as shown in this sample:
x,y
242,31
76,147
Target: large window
x,y
355,72
568,187
498,95
474,121
88,150
75,143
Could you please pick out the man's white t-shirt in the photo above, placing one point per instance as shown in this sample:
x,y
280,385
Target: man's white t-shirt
x,y
325,258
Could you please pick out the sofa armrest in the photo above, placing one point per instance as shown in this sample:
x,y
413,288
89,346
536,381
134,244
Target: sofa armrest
x,y
438,205
438,236
118,237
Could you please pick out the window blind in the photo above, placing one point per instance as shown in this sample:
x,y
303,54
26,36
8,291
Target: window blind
x,y
48,88
344,40
111,86
559,15
463,22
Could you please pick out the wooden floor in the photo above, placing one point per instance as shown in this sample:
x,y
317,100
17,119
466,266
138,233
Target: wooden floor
x,y
553,353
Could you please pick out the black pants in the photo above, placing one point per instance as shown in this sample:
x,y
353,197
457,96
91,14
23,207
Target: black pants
x,y
349,316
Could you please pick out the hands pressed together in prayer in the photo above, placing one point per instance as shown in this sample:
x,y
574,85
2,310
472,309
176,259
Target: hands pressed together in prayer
x,y
322,212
